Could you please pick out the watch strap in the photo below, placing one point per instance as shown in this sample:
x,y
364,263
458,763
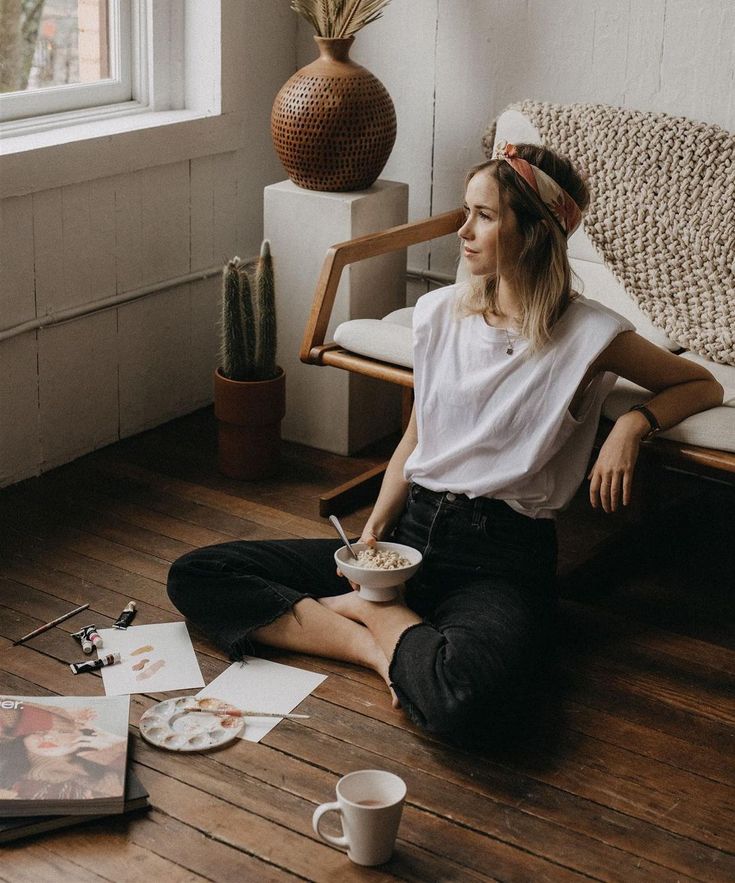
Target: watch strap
x,y
651,417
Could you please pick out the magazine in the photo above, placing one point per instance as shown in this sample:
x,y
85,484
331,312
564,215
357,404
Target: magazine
x,y
63,755
136,799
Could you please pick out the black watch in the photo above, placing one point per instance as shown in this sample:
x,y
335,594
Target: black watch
x,y
651,417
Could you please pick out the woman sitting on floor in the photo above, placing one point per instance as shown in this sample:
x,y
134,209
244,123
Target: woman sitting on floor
x,y
511,371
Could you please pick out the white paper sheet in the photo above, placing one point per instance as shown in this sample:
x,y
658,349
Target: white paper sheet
x,y
155,658
262,685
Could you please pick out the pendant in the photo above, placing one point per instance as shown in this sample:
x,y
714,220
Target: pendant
x,y
509,351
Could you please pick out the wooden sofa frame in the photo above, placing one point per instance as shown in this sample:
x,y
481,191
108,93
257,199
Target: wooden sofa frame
x,y
707,462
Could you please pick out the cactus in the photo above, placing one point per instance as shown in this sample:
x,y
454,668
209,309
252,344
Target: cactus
x,y
248,349
265,299
232,352
248,325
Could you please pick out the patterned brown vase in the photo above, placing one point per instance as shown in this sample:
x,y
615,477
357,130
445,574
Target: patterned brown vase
x,y
333,123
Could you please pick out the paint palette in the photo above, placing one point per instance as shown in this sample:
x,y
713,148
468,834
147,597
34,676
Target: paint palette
x,y
172,725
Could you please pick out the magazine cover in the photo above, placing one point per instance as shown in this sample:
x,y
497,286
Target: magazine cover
x,y
62,754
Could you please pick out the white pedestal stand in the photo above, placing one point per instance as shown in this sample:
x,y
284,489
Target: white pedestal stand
x,y
328,408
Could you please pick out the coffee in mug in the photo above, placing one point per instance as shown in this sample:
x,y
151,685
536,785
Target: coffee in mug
x,y
370,803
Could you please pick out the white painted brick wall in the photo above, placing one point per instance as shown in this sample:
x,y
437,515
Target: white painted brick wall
x,y
70,388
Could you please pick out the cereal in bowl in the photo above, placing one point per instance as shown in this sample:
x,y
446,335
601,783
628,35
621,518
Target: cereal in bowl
x,y
376,559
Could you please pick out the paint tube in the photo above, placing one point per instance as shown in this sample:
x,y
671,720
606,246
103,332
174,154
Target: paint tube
x,y
94,636
126,617
83,638
94,664
89,638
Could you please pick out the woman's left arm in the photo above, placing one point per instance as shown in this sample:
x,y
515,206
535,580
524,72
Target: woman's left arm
x,y
681,388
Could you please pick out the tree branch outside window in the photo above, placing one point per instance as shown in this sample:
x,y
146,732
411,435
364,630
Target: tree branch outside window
x,y
19,24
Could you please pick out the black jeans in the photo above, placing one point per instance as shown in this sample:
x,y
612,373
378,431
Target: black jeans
x,y
485,592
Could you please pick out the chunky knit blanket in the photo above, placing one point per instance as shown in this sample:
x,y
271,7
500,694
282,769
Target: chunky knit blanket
x,y
662,214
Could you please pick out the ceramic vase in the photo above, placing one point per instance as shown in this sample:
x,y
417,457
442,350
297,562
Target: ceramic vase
x,y
333,123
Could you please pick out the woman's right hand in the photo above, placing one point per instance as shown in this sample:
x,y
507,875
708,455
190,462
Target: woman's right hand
x,y
370,539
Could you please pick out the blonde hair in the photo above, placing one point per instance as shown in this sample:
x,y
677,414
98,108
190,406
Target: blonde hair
x,y
542,276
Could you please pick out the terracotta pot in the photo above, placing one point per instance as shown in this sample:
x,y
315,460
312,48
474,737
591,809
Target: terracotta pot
x,y
249,415
333,123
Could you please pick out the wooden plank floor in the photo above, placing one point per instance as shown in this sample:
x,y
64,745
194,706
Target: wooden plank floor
x,y
625,772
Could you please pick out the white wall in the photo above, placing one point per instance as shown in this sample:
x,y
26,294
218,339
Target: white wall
x,y
451,66
101,229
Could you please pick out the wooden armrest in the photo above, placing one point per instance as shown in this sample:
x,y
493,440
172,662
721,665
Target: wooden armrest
x,y
339,256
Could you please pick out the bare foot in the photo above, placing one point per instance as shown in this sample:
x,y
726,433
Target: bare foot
x,y
350,605
381,666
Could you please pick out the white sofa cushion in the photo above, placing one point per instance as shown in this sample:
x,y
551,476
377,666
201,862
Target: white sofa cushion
x,y
404,317
600,284
379,339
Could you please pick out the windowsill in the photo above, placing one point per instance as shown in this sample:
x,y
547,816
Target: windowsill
x,y
116,145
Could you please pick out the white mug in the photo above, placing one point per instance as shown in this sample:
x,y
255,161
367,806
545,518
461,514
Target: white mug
x,y
370,803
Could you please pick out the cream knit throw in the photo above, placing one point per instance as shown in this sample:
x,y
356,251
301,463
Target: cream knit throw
x,y
662,214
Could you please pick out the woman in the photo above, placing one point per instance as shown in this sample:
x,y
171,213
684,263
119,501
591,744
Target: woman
x,y
510,374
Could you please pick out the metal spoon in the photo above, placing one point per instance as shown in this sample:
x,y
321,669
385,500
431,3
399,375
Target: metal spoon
x,y
343,535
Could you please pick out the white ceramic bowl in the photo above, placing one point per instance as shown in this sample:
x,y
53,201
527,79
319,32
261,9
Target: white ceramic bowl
x,y
375,584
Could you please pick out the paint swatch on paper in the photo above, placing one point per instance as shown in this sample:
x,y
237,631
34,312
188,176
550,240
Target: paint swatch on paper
x,y
155,658
262,685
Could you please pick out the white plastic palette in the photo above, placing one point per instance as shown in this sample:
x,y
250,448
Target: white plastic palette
x,y
171,725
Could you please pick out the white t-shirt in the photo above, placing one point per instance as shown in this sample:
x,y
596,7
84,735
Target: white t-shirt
x,y
497,425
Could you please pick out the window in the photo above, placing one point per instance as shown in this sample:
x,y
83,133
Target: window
x,y
71,61
176,84
63,55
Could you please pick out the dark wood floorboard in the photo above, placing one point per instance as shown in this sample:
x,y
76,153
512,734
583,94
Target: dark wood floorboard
x,y
623,771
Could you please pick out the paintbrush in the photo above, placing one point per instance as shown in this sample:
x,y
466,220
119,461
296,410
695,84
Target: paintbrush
x,y
50,625
241,712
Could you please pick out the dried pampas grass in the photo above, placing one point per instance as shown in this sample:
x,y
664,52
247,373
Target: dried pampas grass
x,y
339,18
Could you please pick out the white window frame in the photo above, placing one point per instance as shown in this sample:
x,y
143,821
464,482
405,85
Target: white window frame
x,y
149,70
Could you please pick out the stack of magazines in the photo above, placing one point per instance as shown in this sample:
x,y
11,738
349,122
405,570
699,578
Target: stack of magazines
x,y
63,759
